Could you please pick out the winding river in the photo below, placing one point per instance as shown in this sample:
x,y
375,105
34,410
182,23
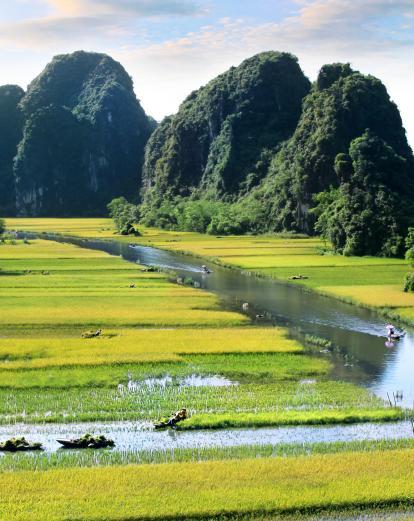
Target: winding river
x,y
361,355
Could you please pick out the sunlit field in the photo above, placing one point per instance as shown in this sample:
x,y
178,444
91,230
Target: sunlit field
x,y
236,487
154,330
383,296
280,257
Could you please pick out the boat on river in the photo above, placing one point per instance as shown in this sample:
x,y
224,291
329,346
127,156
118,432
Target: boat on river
x,y
87,442
19,445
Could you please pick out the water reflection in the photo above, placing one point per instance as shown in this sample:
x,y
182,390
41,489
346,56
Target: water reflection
x,y
136,436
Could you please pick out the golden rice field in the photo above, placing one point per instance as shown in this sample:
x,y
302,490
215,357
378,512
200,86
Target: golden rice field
x,y
151,329
234,487
389,296
366,281
140,345
51,292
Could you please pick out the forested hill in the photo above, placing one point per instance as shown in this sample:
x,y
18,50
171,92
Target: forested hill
x,y
257,149
222,138
82,141
11,128
332,158
342,106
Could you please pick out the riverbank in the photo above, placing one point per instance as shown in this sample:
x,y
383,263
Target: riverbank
x,y
370,282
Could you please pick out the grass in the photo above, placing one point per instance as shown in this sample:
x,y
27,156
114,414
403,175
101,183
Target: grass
x,y
406,314
90,403
373,296
277,419
51,292
175,490
251,367
140,345
177,331
60,302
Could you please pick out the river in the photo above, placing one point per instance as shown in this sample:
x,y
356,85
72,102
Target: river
x,y
361,354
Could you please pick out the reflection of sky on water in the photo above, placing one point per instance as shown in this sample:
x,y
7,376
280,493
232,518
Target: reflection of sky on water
x,y
138,436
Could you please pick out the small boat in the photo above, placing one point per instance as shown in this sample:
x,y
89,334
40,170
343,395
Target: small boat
x,y
394,333
91,334
204,269
72,444
19,445
87,442
397,336
175,418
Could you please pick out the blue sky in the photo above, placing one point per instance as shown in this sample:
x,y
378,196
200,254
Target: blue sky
x,y
171,47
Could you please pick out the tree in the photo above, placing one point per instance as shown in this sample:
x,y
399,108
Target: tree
x,y
2,226
409,283
224,134
366,215
340,107
125,216
409,244
83,140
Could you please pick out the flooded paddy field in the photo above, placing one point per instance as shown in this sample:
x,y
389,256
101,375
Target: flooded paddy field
x,y
140,436
304,375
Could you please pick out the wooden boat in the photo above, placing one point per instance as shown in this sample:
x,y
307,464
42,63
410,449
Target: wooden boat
x,y
87,442
175,418
19,445
91,334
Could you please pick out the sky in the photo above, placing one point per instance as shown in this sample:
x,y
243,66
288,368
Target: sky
x,y
171,47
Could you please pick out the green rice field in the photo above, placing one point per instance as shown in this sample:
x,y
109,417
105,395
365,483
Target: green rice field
x,y
366,281
152,328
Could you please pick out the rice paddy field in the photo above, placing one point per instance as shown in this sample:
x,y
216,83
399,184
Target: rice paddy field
x,y
366,281
165,346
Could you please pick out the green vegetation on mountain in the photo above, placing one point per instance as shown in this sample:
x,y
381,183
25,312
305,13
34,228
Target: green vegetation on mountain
x,y
11,123
224,135
345,171
341,107
83,139
370,211
125,216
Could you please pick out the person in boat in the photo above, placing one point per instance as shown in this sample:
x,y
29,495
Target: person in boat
x,y
390,330
393,333
205,269
176,417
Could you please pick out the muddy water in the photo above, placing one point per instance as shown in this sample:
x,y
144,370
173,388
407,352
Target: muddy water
x,y
139,436
361,355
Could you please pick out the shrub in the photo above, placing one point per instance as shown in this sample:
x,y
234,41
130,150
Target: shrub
x,y
409,283
125,216
409,244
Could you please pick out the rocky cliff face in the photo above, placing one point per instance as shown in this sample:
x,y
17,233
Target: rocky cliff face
x,y
343,104
221,140
11,126
84,138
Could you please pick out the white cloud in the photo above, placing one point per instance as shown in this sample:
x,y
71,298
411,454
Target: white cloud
x,y
91,21
142,8
365,32
322,31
